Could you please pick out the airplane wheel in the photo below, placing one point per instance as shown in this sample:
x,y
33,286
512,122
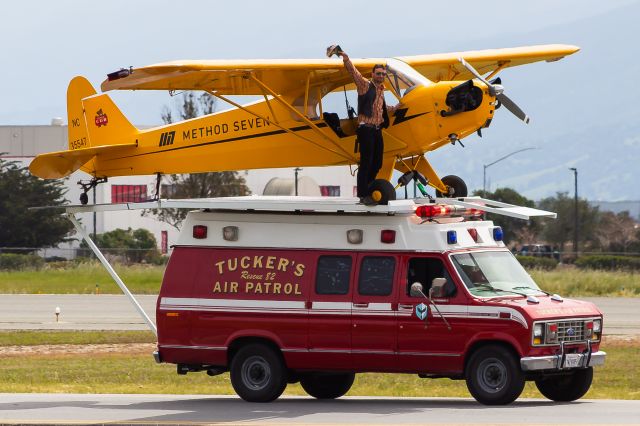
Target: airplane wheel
x,y
84,198
382,191
457,187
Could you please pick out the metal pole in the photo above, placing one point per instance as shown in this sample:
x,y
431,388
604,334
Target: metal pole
x,y
112,272
576,222
484,180
486,166
94,214
296,170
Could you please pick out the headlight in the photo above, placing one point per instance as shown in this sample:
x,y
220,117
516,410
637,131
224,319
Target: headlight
x,y
537,330
597,325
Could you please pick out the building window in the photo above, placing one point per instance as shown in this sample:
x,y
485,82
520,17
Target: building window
x,y
330,190
128,193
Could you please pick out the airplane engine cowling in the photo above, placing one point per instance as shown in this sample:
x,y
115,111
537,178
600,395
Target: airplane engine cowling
x,y
462,98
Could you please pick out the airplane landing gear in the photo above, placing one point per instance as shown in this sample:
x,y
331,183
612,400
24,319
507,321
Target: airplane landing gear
x,y
87,186
382,191
456,186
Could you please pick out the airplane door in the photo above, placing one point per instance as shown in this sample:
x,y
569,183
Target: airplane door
x,y
373,335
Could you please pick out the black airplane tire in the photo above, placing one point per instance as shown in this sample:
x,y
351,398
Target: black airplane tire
x,y
493,376
566,387
258,373
382,191
457,187
327,386
84,198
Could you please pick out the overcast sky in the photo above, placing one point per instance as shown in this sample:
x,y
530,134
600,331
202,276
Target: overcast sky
x,y
46,43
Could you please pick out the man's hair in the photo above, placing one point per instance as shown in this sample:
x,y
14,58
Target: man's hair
x,y
378,66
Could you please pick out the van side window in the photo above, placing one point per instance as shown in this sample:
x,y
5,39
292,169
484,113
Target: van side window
x,y
424,270
333,275
376,276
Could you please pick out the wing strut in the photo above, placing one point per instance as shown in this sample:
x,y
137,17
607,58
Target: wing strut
x,y
111,271
237,105
302,116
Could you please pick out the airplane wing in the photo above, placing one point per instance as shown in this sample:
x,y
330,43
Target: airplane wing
x,y
231,77
446,66
55,165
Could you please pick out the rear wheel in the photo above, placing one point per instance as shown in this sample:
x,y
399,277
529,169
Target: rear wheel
x,y
382,191
455,185
567,387
493,376
327,386
258,373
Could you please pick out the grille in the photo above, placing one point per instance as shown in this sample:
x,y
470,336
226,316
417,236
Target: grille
x,y
570,331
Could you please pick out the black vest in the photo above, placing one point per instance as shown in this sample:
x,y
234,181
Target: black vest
x,y
365,105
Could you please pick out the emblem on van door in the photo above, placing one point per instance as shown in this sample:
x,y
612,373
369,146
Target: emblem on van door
x,y
421,311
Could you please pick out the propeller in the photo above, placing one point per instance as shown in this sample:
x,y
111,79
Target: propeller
x,y
496,89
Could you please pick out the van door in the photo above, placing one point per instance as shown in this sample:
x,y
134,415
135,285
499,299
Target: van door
x,y
427,345
373,334
330,312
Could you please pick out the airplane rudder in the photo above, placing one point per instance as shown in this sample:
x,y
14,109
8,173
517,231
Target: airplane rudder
x,y
79,89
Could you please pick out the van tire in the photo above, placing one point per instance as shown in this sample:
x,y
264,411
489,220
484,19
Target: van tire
x,y
258,373
567,387
493,376
327,386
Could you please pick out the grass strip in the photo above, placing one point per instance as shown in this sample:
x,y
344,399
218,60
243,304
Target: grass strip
x,y
32,338
89,278
619,378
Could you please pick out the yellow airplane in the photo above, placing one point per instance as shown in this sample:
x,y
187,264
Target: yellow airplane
x,y
444,98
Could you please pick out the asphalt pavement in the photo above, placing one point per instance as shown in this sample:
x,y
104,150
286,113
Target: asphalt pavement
x,y
115,312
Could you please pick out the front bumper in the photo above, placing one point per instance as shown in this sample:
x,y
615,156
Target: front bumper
x,y
562,362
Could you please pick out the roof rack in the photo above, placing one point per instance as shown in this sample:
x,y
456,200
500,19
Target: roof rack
x,y
313,204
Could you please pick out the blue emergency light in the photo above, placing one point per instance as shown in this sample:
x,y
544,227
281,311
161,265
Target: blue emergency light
x,y
452,237
498,235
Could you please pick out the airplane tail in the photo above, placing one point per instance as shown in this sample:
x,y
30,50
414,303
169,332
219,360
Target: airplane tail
x,y
94,120
96,127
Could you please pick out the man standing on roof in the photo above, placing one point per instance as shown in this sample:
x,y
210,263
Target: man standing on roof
x,y
373,116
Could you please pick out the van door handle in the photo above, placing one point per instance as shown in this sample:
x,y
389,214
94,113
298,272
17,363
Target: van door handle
x,y
360,305
405,306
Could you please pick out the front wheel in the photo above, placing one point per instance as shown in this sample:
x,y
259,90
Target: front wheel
x,y
493,376
567,387
258,373
327,386
455,186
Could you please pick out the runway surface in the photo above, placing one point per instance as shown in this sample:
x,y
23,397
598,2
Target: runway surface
x,y
174,409
115,312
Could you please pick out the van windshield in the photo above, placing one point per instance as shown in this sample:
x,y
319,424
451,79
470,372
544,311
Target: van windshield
x,y
493,273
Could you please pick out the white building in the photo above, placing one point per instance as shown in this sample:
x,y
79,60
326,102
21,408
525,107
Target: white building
x,y
23,143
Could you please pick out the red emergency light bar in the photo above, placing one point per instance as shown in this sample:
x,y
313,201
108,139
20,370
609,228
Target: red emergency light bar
x,y
445,210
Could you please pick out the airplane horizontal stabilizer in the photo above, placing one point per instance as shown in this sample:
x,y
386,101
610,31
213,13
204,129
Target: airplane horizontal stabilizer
x,y
55,165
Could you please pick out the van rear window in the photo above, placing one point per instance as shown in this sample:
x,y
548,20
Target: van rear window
x,y
376,276
333,275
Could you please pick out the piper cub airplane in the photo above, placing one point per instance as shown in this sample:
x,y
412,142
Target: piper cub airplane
x,y
444,98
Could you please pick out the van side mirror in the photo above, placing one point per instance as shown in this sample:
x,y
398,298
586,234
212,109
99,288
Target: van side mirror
x,y
437,287
416,290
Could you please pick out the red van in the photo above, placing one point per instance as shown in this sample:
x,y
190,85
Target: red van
x,y
277,297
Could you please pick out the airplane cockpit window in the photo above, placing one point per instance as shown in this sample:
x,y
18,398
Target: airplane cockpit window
x,y
402,78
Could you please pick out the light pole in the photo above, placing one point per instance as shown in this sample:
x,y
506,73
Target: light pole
x,y
486,166
575,210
